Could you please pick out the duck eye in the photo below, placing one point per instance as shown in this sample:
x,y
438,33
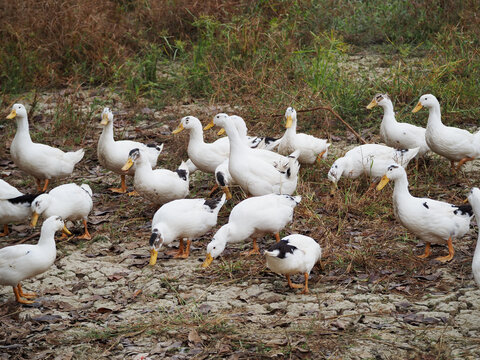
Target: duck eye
x,y
426,99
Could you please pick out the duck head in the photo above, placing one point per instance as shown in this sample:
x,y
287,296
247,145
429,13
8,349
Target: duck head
x,y
428,101
187,122
156,242
18,110
133,155
54,224
290,117
393,172
39,205
107,117
216,247
379,100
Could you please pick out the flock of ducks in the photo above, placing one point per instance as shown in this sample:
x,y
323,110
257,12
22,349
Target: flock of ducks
x,y
268,178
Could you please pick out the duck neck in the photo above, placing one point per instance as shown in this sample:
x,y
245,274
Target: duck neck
x,y
434,115
22,128
196,135
237,144
388,113
401,187
47,238
107,133
292,130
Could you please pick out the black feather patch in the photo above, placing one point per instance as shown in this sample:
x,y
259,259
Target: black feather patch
x,y
220,179
212,203
28,198
391,167
153,237
182,173
269,140
156,146
403,151
463,209
288,172
133,151
425,204
283,247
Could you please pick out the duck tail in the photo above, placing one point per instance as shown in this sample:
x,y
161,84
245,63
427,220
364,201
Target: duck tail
x,y
74,156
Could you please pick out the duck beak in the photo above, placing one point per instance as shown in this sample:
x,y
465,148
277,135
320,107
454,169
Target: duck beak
x,y
208,261
33,223
418,107
383,182
12,115
209,126
372,104
128,164
66,231
227,192
289,122
178,129
104,119
333,188
465,201
153,256
221,132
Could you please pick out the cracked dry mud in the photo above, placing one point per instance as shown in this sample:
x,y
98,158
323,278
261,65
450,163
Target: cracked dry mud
x,y
370,297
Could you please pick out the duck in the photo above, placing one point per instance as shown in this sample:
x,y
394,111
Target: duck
x,y
205,156
23,261
69,201
113,155
183,219
14,205
433,221
255,175
397,134
474,200
311,148
294,254
160,185
253,218
41,161
453,143
369,159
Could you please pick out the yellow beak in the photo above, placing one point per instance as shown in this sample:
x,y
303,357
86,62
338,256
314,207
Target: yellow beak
x,y
66,231
418,107
221,132
383,182
104,119
153,256
289,122
209,126
227,192
333,188
372,104
12,114
208,261
33,223
178,129
128,164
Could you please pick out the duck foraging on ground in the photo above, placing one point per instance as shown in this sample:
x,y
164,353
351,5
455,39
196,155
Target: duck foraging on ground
x,y
21,262
292,255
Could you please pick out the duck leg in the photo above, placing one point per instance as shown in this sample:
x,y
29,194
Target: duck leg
x,y
292,285
19,298
25,295
5,230
86,235
123,187
186,252
133,193
45,186
451,252
427,252
452,165
319,157
305,288
463,161
178,252
214,188
255,249
277,237
39,184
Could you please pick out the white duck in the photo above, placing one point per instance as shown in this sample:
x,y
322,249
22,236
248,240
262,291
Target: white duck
x,y
311,148
453,143
253,218
160,185
14,206
292,255
369,159
112,154
183,219
474,200
255,175
205,156
69,201
41,161
396,134
20,262
433,221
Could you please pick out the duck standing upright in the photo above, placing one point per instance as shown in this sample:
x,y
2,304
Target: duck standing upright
x,y
41,161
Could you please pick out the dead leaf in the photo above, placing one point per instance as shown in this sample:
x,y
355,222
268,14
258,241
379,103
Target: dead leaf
x,y
193,337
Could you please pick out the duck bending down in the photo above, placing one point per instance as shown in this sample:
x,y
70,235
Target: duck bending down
x,y
311,148
183,219
433,221
160,185
254,174
14,205
453,143
69,201
21,262
253,218
41,161
474,200
397,134
113,155
292,255
369,159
